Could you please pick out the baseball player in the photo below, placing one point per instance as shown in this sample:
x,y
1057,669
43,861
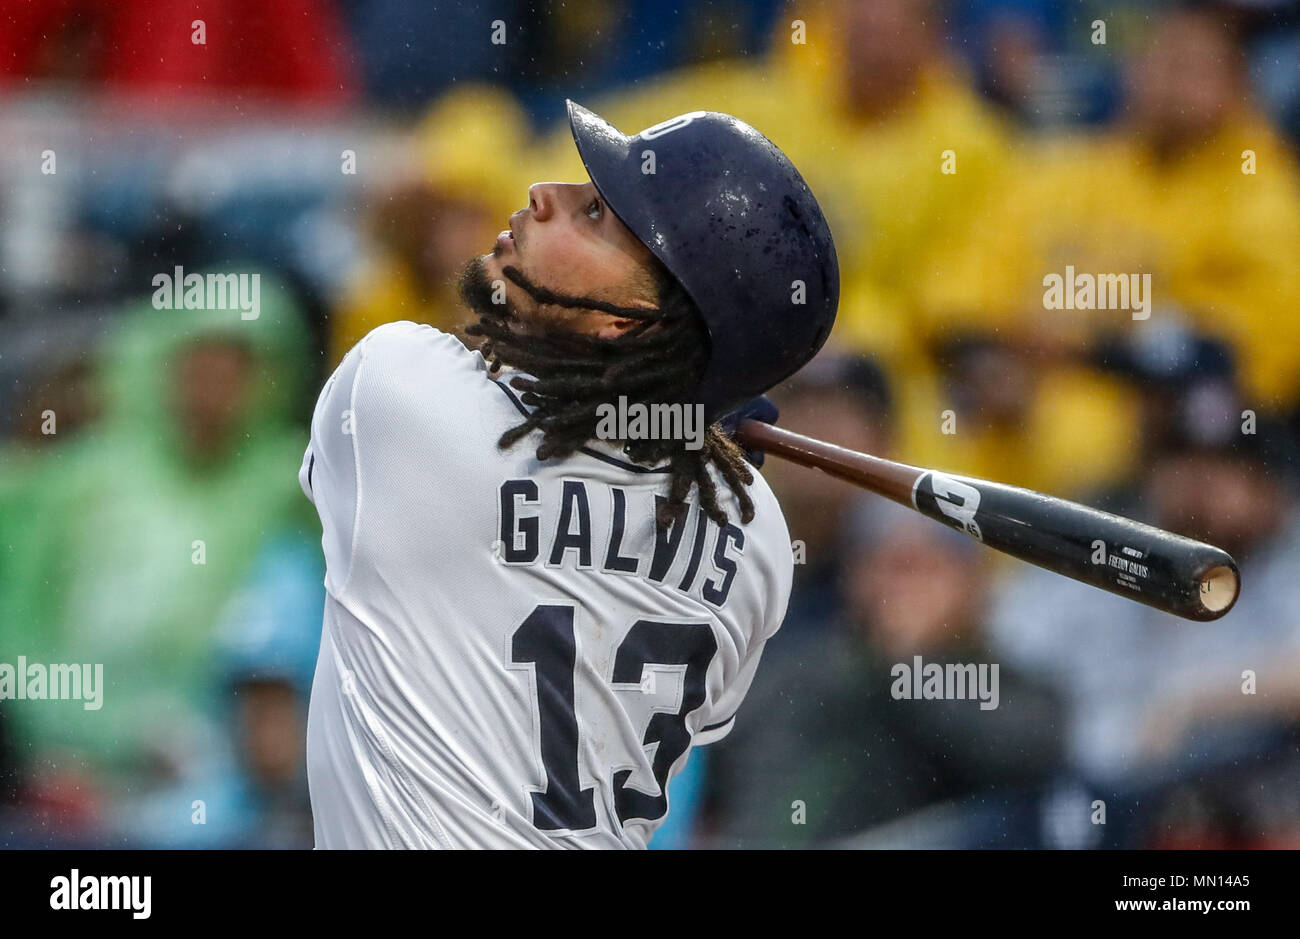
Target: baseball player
x,y
533,613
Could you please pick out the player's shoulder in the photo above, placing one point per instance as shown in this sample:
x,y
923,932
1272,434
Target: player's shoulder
x,y
415,357
404,340
422,381
766,536
761,591
768,525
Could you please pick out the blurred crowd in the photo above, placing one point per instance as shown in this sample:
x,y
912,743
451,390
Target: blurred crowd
x,y
355,153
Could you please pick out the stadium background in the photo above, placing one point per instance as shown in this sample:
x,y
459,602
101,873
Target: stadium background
x,y
174,427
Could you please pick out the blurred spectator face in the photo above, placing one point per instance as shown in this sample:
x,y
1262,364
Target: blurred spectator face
x,y
431,231
915,589
213,384
815,502
270,722
888,42
1214,497
568,242
456,230
1188,80
1015,46
994,382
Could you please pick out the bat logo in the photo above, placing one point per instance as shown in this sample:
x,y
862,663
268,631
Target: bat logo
x,y
948,500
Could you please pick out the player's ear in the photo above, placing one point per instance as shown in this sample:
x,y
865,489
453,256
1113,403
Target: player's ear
x,y
613,327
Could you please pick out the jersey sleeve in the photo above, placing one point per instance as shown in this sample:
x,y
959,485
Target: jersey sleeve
x,y
328,474
387,388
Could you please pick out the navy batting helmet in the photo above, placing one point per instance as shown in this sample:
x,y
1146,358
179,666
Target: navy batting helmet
x,y
731,218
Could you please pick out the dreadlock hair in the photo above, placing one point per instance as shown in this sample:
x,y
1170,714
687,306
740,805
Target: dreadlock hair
x,y
658,361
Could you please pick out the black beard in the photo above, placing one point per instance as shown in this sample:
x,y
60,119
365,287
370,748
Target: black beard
x,y
477,289
500,319
511,329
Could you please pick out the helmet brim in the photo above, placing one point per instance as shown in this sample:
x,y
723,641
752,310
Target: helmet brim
x,y
605,151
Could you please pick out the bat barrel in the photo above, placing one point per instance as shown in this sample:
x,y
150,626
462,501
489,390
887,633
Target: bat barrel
x,y
1167,571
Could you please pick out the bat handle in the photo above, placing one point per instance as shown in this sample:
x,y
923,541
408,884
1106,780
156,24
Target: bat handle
x,y
883,477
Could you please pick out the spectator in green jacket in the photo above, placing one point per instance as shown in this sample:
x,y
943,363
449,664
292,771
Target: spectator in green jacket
x,y
133,536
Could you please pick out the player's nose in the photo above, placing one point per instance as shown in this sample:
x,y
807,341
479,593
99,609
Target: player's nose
x,y
542,198
546,198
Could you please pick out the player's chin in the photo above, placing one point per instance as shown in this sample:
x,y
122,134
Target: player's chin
x,y
488,267
476,283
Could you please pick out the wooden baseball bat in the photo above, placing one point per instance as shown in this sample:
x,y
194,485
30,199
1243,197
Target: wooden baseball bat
x,y
1167,571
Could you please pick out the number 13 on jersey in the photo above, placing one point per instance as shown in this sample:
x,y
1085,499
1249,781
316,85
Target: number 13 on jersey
x,y
546,640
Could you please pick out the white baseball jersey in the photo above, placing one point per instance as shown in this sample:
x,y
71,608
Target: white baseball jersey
x,y
513,655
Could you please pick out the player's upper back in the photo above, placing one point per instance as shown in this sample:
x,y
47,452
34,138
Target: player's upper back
x,y
529,657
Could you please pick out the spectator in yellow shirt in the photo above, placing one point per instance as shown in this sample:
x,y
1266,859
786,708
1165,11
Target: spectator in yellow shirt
x,y
1192,188
865,100
455,186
